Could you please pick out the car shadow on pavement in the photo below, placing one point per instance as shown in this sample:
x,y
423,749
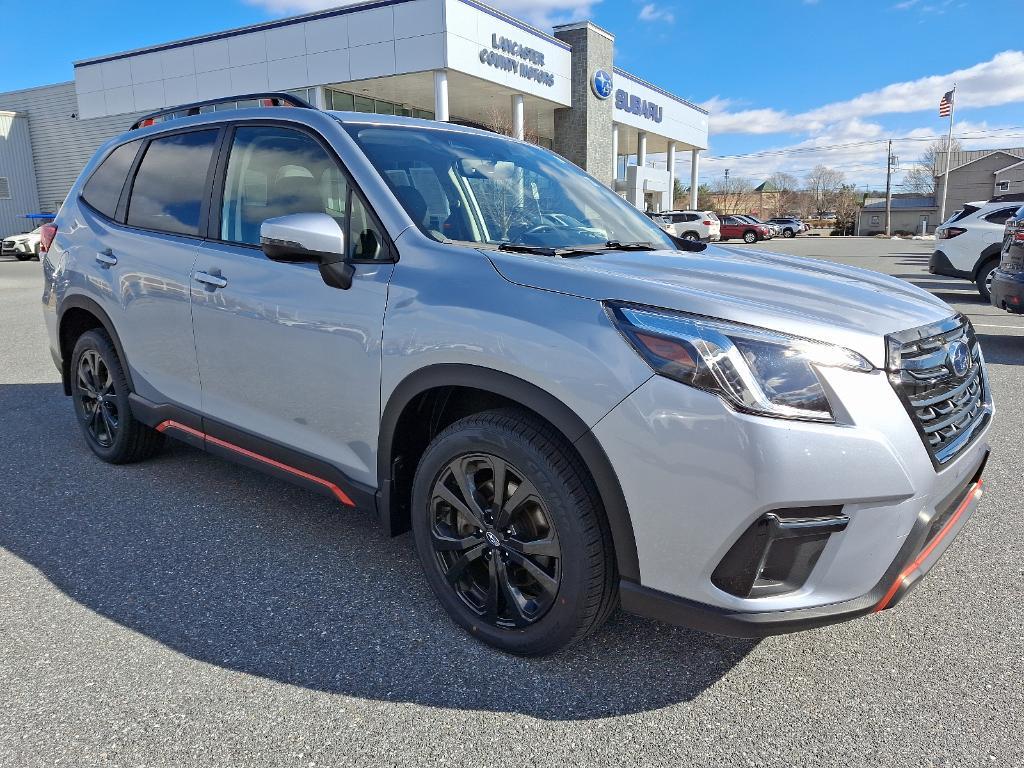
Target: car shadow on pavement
x,y
246,572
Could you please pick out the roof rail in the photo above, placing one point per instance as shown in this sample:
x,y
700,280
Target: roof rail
x,y
1012,197
272,99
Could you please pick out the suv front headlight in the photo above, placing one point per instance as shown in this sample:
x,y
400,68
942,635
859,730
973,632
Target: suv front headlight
x,y
753,369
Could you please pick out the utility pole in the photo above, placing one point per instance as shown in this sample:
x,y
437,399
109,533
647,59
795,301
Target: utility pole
x,y
888,192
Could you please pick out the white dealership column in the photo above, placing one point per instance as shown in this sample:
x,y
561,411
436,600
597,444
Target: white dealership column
x,y
671,163
441,95
641,148
518,117
615,153
694,173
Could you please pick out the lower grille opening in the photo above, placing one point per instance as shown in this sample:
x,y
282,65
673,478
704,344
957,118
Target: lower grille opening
x,y
778,551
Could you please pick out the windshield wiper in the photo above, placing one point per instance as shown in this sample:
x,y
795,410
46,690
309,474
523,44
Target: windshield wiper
x,y
546,250
637,246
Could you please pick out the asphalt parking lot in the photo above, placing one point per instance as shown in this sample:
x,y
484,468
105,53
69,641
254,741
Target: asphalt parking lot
x,y
185,611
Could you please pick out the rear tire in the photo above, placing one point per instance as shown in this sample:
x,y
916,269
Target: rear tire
x,y
99,391
473,549
692,237
749,237
984,281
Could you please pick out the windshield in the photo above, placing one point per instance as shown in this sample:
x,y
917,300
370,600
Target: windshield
x,y
491,190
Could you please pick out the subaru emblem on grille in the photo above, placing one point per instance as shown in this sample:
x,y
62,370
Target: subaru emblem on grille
x,y
959,358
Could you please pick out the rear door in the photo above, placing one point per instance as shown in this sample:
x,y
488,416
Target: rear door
x,y
143,255
286,360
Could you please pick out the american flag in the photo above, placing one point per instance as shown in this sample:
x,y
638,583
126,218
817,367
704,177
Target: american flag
x,y
946,104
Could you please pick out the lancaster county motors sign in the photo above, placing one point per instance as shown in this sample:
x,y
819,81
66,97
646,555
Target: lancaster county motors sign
x,y
637,106
514,57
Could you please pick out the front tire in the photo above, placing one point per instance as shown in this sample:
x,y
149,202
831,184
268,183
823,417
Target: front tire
x,y
749,237
788,233
99,390
511,533
984,281
23,256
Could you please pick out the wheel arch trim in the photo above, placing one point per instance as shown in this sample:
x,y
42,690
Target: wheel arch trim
x,y
536,399
78,301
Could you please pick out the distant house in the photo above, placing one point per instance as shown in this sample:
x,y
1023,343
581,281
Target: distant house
x,y
762,201
908,212
980,174
975,174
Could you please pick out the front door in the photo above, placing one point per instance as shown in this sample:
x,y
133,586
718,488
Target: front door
x,y
284,357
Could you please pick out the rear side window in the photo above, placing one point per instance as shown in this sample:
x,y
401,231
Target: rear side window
x,y
967,211
170,186
103,189
1000,216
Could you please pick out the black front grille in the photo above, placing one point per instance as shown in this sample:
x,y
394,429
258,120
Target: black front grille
x,y
944,392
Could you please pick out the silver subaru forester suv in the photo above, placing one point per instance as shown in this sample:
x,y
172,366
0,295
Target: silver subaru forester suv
x,y
469,337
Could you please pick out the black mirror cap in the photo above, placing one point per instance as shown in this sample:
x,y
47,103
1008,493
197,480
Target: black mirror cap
x,y
688,245
338,274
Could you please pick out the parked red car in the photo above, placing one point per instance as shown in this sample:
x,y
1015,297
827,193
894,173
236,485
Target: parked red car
x,y
737,229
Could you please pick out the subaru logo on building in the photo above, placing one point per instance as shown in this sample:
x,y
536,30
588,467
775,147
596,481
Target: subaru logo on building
x,y
601,83
959,358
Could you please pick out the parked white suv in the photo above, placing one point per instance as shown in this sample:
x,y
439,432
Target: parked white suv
x,y
22,247
968,244
692,225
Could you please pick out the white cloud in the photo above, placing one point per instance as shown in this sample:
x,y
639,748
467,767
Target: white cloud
x,y
651,12
542,13
858,149
1000,80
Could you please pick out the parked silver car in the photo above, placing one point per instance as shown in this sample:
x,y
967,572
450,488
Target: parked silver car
x,y
387,310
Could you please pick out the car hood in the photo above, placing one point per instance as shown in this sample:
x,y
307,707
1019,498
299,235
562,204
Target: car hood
x,y
805,297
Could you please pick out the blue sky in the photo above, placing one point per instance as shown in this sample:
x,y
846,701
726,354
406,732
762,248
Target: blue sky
x,y
776,75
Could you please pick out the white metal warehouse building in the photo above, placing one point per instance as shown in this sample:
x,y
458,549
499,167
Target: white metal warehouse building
x,y
456,60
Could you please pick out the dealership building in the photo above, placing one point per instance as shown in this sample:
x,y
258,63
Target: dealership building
x,y
457,60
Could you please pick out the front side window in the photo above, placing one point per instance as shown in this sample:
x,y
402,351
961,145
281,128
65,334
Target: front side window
x,y
170,185
103,189
487,189
275,171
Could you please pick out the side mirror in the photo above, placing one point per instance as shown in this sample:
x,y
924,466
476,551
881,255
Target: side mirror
x,y
309,237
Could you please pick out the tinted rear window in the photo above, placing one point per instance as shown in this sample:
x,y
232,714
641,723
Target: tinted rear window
x,y
103,189
967,211
171,183
1000,217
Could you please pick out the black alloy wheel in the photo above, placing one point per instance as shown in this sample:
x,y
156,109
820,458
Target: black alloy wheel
x,y
98,400
493,540
512,534
99,391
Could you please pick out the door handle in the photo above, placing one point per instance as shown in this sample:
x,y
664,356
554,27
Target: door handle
x,y
106,258
214,281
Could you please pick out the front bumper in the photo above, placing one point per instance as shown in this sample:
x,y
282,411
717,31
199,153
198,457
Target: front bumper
x,y
697,475
1007,291
939,264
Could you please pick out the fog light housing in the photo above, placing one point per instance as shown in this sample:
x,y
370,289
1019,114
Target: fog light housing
x,y
778,551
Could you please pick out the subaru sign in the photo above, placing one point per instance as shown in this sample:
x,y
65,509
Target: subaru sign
x,y
601,84
637,106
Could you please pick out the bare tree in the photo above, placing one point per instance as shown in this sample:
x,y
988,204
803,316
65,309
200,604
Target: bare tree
x,y
846,208
920,178
825,187
789,194
732,194
500,121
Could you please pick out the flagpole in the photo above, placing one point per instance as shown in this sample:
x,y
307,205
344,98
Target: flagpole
x,y
949,151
